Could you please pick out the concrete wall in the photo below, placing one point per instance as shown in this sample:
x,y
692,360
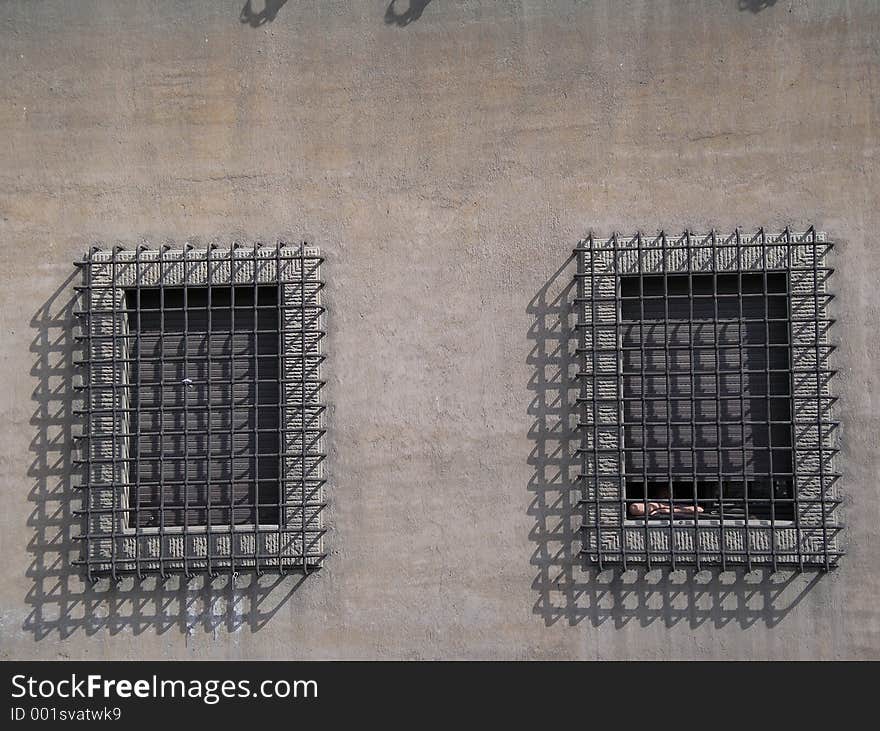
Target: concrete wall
x,y
446,163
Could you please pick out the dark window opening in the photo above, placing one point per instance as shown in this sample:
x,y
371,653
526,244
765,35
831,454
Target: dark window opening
x,y
204,375
707,402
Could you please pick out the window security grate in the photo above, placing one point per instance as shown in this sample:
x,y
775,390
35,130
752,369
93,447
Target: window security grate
x,y
707,436
201,448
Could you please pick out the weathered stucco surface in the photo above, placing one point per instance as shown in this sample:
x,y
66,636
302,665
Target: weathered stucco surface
x,y
445,166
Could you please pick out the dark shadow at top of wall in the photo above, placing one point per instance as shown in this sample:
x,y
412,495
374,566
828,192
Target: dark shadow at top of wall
x,y
566,587
755,6
61,602
256,18
404,12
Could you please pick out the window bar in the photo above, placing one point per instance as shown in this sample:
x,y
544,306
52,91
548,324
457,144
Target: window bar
x,y
643,404
694,353
88,443
162,534
115,394
107,511
209,539
719,408
594,292
769,398
302,343
282,440
586,420
184,384
819,435
789,288
741,328
232,533
668,362
319,481
137,436
314,382
198,381
620,475
256,419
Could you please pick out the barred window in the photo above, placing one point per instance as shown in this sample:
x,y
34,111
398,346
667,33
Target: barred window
x,y
706,395
706,412
204,442
201,446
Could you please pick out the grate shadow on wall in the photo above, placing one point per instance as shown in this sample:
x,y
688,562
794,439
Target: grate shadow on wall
x,y
567,586
60,601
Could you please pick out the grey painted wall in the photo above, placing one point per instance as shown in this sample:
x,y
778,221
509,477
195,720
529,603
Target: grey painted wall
x,y
446,160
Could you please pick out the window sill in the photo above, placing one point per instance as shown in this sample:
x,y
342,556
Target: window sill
x,y
178,530
712,522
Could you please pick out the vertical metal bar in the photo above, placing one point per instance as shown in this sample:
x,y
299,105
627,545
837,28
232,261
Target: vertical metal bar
x,y
256,412
232,485
585,456
161,364
302,341
209,397
719,406
594,307
693,357
742,409
789,289
115,394
668,361
136,415
282,384
819,434
643,386
185,384
769,381
618,388
88,442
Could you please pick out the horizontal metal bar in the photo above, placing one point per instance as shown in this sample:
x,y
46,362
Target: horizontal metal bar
x,y
198,336
683,557
239,527
291,563
687,298
284,481
622,477
626,323
219,431
190,382
702,425
713,449
671,348
709,272
712,397
174,260
225,283
244,529
124,460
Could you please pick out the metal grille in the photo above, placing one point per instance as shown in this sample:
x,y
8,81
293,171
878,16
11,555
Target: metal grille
x,y
705,409
203,426
204,439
